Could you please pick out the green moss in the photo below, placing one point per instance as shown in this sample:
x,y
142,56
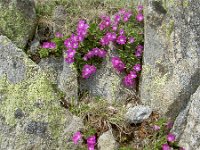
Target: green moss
x,y
14,26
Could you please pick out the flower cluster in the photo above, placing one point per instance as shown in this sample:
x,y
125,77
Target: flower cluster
x,y
91,141
109,37
49,45
118,64
95,52
140,16
88,45
129,80
72,43
170,138
139,51
88,70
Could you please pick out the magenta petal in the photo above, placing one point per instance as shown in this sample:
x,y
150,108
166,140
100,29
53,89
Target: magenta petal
x,y
156,128
76,137
171,137
165,147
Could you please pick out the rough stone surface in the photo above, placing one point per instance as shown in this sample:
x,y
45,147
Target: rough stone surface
x,y
187,125
34,46
107,83
172,54
18,20
107,141
68,82
30,116
138,114
59,18
53,67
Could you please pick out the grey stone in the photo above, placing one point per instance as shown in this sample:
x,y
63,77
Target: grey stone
x,y
37,128
59,19
35,45
68,81
42,127
76,124
53,67
171,57
138,114
107,141
19,113
107,83
44,30
18,20
187,126
11,64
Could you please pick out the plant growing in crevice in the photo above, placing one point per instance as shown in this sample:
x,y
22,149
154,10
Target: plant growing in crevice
x,y
87,47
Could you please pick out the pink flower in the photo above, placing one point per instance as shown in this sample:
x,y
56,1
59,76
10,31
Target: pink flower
x,y
171,137
131,40
117,18
156,128
127,15
69,60
102,53
88,70
140,8
169,125
128,81
104,41
118,64
45,45
114,27
133,74
68,43
121,39
140,17
121,31
91,141
165,147
70,53
137,67
74,38
49,45
181,148
76,137
138,54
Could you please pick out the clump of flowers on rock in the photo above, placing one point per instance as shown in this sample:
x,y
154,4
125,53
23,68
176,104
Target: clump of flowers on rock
x,y
90,44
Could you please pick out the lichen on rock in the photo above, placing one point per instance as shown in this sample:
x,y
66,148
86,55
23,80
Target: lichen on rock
x,y
36,97
17,21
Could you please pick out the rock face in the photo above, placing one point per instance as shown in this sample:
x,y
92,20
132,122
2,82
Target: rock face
x,y
18,20
59,19
68,82
187,125
107,142
106,83
138,114
172,54
30,114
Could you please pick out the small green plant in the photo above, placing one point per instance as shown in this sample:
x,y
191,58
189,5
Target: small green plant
x,y
50,48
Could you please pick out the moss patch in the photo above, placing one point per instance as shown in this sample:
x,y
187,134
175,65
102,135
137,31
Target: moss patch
x,y
15,26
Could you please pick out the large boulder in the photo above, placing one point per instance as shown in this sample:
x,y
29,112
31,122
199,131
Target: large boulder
x,y
187,124
18,20
172,54
30,116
